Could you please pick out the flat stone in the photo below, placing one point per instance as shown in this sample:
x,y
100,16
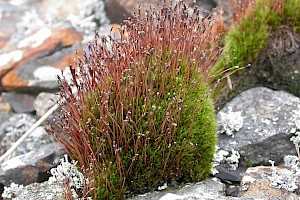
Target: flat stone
x,y
9,60
230,175
206,190
267,124
32,166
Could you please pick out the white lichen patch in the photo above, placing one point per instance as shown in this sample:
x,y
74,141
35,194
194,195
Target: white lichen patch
x,y
12,190
284,179
46,73
67,173
231,160
13,56
246,182
248,179
296,138
230,122
266,121
36,39
296,118
291,161
163,187
296,130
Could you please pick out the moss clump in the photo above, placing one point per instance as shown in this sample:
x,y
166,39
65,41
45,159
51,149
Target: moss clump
x,y
143,114
248,37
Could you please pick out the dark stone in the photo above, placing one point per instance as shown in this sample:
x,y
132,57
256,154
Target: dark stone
x,y
232,190
31,167
230,175
267,126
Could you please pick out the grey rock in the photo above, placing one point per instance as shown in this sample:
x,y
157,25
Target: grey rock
x,y
20,102
32,166
266,131
40,191
205,190
38,138
43,102
232,190
206,4
12,128
4,116
10,15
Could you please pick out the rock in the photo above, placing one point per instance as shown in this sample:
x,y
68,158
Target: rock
x,y
20,103
25,18
32,166
4,116
10,15
37,191
206,190
38,138
271,182
118,10
206,4
8,61
230,175
4,105
4,39
232,190
267,122
226,7
39,59
12,128
43,102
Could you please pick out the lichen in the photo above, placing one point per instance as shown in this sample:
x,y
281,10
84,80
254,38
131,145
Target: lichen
x,y
223,157
12,191
230,122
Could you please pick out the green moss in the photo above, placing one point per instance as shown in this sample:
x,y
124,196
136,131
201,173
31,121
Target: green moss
x,y
192,148
248,163
246,40
291,14
142,115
